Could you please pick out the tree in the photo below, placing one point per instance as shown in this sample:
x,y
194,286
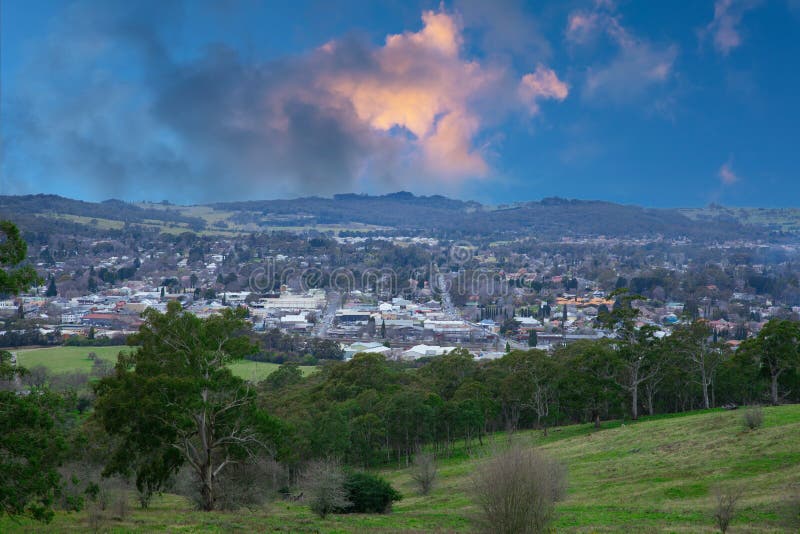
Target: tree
x,y
32,436
637,362
33,444
533,339
777,349
508,346
13,251
383,329
52,290
694,342
588,383
174,401
424,471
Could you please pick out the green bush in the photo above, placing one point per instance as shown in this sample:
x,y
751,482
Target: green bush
x,y
369,494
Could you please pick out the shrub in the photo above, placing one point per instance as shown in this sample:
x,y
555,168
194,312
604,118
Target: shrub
x,y
424,472
753,417
369,494
725,509
248,484
323,488
516,491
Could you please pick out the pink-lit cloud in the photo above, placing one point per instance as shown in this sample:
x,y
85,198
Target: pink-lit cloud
x,y
422,83
542,83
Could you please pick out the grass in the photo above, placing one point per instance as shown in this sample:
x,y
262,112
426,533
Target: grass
x,y
656,475
257,371
68,359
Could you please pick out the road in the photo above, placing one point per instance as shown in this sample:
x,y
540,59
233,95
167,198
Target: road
x,y
326,320
447,303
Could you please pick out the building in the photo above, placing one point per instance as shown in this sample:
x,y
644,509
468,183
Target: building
x,y
423,351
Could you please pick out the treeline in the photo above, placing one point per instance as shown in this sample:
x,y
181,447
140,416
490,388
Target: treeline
x,y
369,410
278,347
28,336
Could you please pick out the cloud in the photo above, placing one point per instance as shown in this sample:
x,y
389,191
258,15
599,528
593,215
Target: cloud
x,y
541,84
726,174
119,114
724,28
637,64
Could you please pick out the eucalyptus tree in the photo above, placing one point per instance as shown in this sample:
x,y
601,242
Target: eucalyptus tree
x,y
635,347
777,350
174,401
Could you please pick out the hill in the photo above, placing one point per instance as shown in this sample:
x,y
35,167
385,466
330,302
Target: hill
x,y
656,475
402,212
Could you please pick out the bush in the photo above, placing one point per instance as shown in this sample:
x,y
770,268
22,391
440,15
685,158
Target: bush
x,y
323,488
753,417
516,491
424,472
249,484
725,509
369,494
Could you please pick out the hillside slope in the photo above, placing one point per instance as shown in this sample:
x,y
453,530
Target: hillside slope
x,y
657,475
548,219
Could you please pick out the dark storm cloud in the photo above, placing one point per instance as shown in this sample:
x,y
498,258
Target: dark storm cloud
x,y
106,104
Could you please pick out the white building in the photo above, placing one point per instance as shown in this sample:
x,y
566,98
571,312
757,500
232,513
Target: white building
x,y
422,351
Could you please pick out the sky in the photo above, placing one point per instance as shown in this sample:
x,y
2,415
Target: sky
x,y
653,102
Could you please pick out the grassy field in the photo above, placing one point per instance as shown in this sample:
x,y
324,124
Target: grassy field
x,y
67,359
656,475
257,371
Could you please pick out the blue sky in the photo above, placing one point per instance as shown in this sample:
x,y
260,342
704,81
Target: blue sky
x,y
659,103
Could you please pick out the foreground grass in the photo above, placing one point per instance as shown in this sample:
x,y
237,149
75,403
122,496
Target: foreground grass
x,y
61,360
656,475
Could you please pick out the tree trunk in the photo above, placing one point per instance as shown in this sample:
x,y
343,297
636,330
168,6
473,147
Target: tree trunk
x,y
635,402
597,420
706,403
206,493
774,388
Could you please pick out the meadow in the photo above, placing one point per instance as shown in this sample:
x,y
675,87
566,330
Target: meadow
x,y
69,359
655,475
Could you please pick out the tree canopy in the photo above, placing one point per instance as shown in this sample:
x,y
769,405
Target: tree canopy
x,y
174,401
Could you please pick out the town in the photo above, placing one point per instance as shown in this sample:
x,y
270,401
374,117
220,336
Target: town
x,y
485,296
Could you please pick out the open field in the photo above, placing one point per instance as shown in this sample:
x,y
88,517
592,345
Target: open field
x,y
780,219
257,371
656,475
67,359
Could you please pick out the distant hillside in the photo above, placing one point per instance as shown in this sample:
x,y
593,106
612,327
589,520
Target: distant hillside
x,y
402,212
36,214
549,218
